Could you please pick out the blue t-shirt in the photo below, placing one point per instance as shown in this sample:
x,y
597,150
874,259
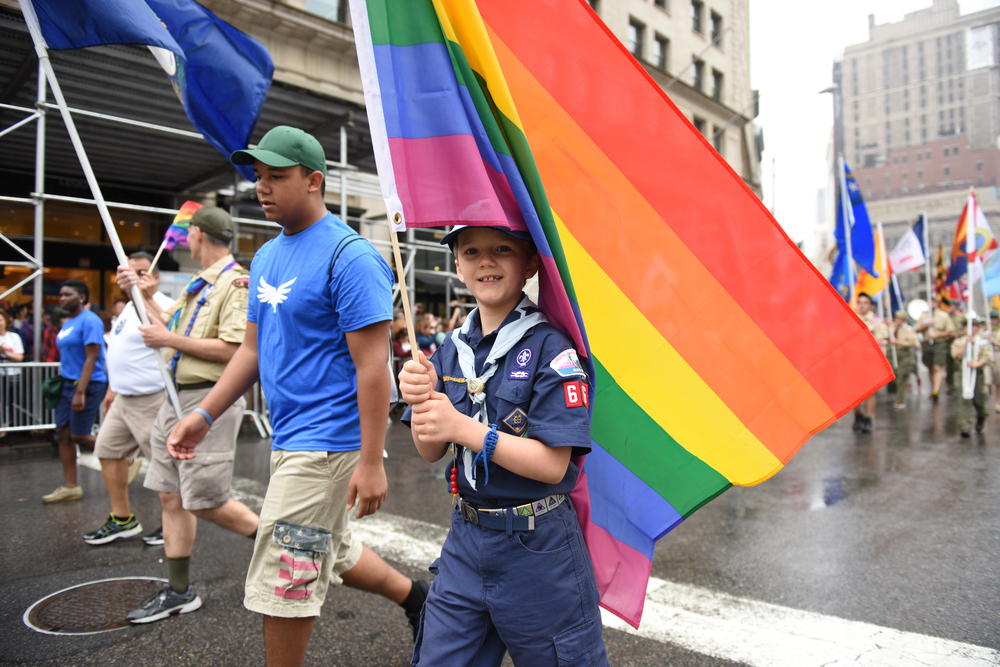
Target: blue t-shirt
x,y
84,329
302,313
538,391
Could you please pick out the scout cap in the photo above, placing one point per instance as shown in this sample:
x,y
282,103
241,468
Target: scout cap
x,y
900,314
960,319
449,238
285,146
215,222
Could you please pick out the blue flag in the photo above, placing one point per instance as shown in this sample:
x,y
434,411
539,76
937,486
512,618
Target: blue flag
x,y
220,75
992,274
862,239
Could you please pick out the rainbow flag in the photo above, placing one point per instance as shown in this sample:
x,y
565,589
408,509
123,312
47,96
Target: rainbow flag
x,y
177,232
716,348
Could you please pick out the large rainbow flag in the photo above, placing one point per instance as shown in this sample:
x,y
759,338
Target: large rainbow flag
x,y
716,348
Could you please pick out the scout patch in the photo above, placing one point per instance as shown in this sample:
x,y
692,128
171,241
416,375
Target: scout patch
x,y
523,358
242,282
567,364
573,393
517,421
516,374
448,378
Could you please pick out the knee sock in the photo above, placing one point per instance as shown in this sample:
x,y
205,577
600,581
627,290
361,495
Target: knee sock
x,y
414,600
179,573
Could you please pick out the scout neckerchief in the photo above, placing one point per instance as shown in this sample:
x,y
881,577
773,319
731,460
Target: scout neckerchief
x,y
507,337
194,287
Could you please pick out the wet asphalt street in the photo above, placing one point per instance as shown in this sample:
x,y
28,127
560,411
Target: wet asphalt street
x,y
879,549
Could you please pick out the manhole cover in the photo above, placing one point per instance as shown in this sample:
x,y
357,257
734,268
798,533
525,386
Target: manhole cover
x,y
97,606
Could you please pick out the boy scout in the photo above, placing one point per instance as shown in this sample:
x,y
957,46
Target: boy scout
x,y
198,334
977,358
940,331
876,327
905,339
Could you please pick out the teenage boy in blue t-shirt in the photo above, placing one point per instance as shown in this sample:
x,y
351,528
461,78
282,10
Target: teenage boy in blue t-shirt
x,y
318,340
507,396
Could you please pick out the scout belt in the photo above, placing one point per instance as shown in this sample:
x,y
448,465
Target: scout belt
x,y
523,515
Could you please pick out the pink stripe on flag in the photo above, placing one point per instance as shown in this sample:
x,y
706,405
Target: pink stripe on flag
x,y
444,181
622,572
300,565
285,574
552,299
292,595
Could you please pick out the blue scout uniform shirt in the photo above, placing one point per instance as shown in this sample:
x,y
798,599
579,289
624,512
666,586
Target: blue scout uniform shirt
x,y
84,329
537,392
301,315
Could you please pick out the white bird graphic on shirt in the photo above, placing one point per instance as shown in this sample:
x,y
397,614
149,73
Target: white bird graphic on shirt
x,y
274,295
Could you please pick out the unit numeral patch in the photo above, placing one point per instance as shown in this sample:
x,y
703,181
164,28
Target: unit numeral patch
x,y
576,394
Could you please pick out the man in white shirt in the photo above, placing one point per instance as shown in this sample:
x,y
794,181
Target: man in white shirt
x,y
135,394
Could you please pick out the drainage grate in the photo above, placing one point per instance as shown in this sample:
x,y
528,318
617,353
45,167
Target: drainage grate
x,y
97,606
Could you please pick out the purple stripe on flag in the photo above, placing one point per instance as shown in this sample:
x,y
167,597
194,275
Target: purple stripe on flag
x,y
444,181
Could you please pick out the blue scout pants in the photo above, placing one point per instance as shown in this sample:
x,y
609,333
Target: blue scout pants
x,y
530,593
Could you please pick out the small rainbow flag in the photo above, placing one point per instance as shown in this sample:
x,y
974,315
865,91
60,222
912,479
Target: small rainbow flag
x,y
177,232
716,348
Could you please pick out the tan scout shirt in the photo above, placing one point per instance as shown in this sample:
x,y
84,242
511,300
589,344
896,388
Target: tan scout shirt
x,y
877,328
224,316
906,336
985,349
943,322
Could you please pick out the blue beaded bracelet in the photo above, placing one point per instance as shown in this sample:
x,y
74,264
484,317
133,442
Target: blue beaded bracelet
x,y
486,453
207,416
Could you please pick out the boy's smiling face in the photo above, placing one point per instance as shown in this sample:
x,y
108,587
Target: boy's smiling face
x,y
494,266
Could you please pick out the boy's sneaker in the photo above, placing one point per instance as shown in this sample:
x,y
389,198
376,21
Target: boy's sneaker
x,y
167,602
154,538
62,494
114,530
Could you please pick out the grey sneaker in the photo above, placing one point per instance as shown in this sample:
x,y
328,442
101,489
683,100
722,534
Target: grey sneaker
x,y
154,538
167,602
113,530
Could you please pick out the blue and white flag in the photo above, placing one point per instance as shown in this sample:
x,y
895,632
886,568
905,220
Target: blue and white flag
x,y
909,253
220,75
862,238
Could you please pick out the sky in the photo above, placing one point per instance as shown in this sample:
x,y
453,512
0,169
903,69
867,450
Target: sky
x,y
792,50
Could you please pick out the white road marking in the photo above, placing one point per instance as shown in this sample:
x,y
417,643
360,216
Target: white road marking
x,y
704,621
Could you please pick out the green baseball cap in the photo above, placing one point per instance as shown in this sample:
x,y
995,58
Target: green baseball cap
x,y
215,222
285,146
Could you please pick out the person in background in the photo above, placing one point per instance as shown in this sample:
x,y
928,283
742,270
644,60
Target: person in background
x,y
50,351
905,340
977,358
425,334
11,350
81,354
116,309
864,413
27,329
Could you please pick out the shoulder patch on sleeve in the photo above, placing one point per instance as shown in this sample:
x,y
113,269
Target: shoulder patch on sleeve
x,y
243,282
567,364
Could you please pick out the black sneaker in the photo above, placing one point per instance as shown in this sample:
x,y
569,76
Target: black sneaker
x,y
114,530
167,602
858,422
154,538
414,604
866,426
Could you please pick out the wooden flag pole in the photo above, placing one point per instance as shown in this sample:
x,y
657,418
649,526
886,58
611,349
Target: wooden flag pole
x,y
407,315
152,267
886,300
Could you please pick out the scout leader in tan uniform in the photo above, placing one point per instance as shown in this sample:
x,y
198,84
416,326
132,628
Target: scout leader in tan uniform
x,y
865,411
982,356
940,332
199,334
905,339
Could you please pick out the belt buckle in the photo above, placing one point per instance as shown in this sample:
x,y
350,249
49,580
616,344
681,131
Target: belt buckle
x,y
469,513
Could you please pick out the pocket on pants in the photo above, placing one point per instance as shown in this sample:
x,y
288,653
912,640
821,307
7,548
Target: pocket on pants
x,y
302,551
583,646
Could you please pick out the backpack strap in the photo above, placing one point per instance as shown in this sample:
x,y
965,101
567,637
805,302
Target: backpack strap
x,y
344,242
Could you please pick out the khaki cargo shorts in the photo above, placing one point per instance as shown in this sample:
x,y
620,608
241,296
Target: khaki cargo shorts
x,y
304,541
203,482
127,426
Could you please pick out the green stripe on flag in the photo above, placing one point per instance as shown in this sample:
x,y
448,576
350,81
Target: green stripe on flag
x,y
403,22
630,435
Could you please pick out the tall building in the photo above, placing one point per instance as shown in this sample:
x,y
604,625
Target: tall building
x,y
699,52
919,120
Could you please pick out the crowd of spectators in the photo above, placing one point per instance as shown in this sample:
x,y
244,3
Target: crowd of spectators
x,y
429,328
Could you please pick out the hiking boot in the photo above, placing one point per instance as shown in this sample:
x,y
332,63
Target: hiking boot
x,y
155,538
62,494
167,602
114,530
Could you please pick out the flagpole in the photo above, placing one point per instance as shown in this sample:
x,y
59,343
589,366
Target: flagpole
x,y
156,259
407,315
43,58
986,303
848,225
927,262
887,286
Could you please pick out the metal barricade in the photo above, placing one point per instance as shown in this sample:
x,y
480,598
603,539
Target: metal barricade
x,y
21,405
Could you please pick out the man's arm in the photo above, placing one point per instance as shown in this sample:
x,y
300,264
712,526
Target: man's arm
x,y
369,348
156,335
236,380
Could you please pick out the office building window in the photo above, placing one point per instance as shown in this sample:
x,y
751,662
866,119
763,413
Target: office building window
x,y
334,10
920,174
636,37
662,4
905,157
661,46
954,149
947,170
946,151
596,5
979,165
887,179
717,84
920,156
700,124
718,139
697,73
716,29
697,9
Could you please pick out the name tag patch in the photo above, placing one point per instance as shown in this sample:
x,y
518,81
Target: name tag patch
x,y
517,421
575,393
519,375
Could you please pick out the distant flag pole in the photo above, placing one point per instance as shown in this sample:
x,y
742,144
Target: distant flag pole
x,y
927,259
845,202
178,230
885,292
43,58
